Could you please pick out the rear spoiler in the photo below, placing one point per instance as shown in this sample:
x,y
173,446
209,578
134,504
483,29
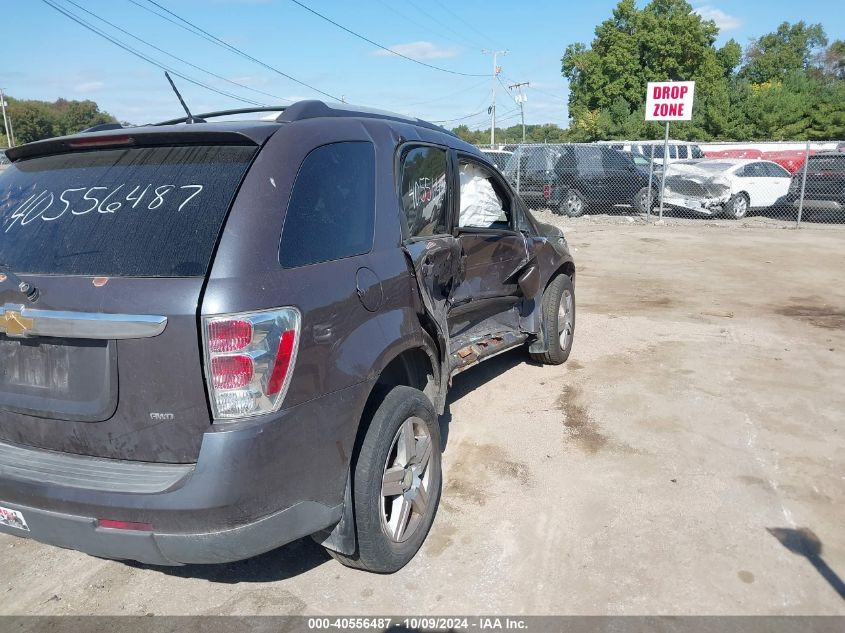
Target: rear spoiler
x,y
147,136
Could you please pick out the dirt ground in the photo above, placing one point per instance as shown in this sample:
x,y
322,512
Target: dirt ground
x,y
688,459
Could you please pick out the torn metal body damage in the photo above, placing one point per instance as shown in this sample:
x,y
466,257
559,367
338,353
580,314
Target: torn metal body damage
x,y
467,325
696,189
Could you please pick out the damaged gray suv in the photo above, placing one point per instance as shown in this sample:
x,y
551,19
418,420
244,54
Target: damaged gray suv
x,y
217,338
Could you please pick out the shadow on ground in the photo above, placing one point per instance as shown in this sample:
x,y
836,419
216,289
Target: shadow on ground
x,y
465,383
285,562
304,555
804,542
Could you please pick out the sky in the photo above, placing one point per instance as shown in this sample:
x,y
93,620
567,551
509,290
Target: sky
x,y
47,55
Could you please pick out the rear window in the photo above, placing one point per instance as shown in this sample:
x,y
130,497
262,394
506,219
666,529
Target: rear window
x,y
827,163
139,212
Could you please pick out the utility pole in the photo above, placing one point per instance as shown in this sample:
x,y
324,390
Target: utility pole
x,y
5,120
521,99
496,71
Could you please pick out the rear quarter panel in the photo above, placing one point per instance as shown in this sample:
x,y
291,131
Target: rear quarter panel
x,y
247,275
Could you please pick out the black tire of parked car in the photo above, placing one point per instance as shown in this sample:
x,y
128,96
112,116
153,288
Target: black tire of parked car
x,y
376,551
574,205
641,203
737,206
555,293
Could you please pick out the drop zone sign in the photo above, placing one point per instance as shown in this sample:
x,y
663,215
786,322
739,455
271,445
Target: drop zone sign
x,y
669,100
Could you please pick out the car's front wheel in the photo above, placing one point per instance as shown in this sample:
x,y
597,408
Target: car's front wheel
x,y
737,206
396,483
558,321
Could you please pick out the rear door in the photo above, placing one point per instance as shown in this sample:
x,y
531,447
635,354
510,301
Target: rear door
x,y
754,180
623,177
777,183
591,179
118,241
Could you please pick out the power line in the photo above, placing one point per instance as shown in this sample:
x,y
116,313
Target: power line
x,y
409,19
146,58
448,96
436,20
218,42
459,18
548,94
506,89
463,118
536,89
184,61
377,45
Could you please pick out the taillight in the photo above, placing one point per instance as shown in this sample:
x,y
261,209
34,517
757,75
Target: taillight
x,y
229,335
279,375
249,360
547,191
101,141
231,372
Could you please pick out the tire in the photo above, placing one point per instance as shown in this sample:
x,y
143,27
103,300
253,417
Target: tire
x,y
737,206
558,318
641,200
382,453
573,204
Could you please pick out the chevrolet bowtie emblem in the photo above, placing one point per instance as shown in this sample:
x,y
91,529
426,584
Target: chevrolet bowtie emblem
x,y
13,323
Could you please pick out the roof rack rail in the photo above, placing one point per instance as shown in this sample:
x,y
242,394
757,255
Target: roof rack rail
x,y
315,109
219,113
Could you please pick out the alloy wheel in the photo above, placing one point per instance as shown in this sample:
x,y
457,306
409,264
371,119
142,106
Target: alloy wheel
x,y
406,480
565,320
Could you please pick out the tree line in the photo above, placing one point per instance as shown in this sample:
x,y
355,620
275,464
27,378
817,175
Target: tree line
x,y
33,120
784,85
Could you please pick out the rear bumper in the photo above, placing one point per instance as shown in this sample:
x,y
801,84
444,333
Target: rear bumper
x,y
706,206
821,205
255,487
153,548
536,197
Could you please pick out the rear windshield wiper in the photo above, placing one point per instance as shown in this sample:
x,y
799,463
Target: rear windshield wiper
x,y
27,289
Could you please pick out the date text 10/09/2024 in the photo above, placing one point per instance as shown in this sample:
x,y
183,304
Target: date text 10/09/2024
x,y
49,206
423,623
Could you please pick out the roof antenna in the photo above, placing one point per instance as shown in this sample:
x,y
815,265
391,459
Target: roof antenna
x,y
191,118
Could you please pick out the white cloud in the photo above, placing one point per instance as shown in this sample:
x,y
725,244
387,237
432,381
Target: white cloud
x,y
420,50
89,86
724,21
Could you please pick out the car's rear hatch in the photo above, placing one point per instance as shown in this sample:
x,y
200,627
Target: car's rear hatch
x,y
825,177
118,239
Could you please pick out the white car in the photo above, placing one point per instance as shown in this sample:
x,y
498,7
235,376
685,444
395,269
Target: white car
x,y
499,157
730,186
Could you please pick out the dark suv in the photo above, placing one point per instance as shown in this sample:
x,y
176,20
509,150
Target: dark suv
x,y
217,338
824,190
571,179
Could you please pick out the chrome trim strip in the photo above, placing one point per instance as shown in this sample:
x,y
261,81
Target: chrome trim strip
x,y
19,321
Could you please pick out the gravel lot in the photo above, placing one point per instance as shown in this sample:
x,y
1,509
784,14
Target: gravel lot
x,y
688,459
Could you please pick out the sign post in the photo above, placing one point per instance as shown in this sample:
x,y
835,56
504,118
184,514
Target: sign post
x,y
668,101
5,120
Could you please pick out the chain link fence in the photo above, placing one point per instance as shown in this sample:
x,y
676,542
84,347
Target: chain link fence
x,y
796,184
